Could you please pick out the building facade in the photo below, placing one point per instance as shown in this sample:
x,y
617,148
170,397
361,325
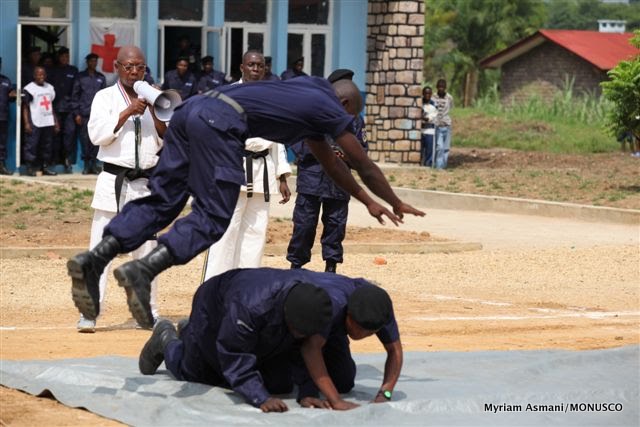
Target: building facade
x,y
330,34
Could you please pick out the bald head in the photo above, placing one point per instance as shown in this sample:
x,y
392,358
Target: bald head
x,y
349,95
127,52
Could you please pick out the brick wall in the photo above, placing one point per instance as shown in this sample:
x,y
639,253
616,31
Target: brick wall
x,y
394,76
543,71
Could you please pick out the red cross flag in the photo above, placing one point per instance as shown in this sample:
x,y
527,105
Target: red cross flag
x,y
106,40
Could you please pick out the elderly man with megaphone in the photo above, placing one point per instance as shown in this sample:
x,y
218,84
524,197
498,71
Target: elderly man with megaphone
x,y
128,128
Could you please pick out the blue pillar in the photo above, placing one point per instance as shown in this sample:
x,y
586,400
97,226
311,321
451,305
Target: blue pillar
x,y
8,49
215,19
81,32
149,33
279,30
350,38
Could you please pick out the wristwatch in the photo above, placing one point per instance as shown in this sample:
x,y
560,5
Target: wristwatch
x,y
385,393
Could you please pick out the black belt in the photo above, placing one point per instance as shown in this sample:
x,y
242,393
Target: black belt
x,y
249,156
226,99
121,173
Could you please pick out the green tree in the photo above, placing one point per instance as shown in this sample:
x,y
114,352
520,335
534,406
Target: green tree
x,y
623,90
459,33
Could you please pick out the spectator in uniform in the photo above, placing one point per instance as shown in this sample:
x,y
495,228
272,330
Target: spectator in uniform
x,y
129,137
210,78
203,159
40,123
295,70
7,95
85,87
268,75
317,191
188,51
181,79
62,77
34,55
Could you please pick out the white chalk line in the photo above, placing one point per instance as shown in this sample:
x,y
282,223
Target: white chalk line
x,y
588,315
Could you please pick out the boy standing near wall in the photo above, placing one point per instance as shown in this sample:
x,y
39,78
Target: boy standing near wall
x,y
444,104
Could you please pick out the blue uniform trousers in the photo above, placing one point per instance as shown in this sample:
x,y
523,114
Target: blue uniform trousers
x,y
4,126
201,157
38,145
89,151
305,220
64,143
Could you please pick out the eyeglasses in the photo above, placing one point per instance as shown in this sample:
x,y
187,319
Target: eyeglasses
x,y
129,67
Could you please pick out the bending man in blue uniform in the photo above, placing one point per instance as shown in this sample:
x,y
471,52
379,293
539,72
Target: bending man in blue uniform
x,y
202,158
250,329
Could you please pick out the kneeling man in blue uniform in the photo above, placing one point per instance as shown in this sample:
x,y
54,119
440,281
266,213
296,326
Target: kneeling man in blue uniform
x,y
260,331
202,158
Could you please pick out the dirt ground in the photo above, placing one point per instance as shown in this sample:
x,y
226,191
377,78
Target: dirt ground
x,y
584,298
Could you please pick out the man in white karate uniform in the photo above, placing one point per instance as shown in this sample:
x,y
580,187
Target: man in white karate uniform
x,y
267,169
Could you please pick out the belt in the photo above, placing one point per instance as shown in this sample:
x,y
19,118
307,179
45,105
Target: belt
x,y
226,99
121,173
249,156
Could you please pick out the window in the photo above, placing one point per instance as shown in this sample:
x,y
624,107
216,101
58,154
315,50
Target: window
x,y
182,10
44,8
254,11
309,12
123,9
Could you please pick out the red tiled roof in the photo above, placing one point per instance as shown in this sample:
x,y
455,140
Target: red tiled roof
x,y
603,50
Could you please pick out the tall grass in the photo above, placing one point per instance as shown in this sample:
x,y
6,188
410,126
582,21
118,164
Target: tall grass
x,y
564,107
565,123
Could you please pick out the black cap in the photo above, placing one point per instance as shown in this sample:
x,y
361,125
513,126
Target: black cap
x,y
267,60
91,56
340,74
63,50
207,59
370,307
308,309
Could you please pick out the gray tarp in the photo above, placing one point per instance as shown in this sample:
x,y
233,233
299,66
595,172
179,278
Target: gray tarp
x,y
599,387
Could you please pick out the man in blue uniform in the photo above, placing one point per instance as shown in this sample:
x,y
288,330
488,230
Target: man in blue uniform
x,y
62,77
7,94
259,331
202,158
85,87
295,70
268,74
181,79
241,332
210,78
318,191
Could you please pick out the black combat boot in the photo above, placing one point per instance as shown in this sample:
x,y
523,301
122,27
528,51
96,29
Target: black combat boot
x,y
136,276
295,266
47,171
67,166
152,353
330,267
4,170
85,270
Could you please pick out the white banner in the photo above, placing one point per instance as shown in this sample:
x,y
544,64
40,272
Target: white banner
x,y
106,40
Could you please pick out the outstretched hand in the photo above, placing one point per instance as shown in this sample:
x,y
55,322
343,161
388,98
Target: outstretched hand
x,y
378,211
404,208
343,405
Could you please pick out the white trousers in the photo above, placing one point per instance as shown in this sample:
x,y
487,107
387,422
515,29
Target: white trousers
x,y
242,245
100,220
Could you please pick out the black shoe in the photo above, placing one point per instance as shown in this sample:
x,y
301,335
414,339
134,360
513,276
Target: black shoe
x,y
182,323
136,276
67,166
330,267
85,270
152,354
48,172
295,266
30,171
4,170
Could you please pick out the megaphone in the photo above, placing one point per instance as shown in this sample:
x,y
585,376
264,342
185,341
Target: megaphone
x,y
163,101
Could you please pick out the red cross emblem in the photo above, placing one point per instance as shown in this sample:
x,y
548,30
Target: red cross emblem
x,y
108,52
45,102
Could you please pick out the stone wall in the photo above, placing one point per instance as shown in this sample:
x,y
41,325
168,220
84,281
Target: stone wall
x,y
394,75
543,71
